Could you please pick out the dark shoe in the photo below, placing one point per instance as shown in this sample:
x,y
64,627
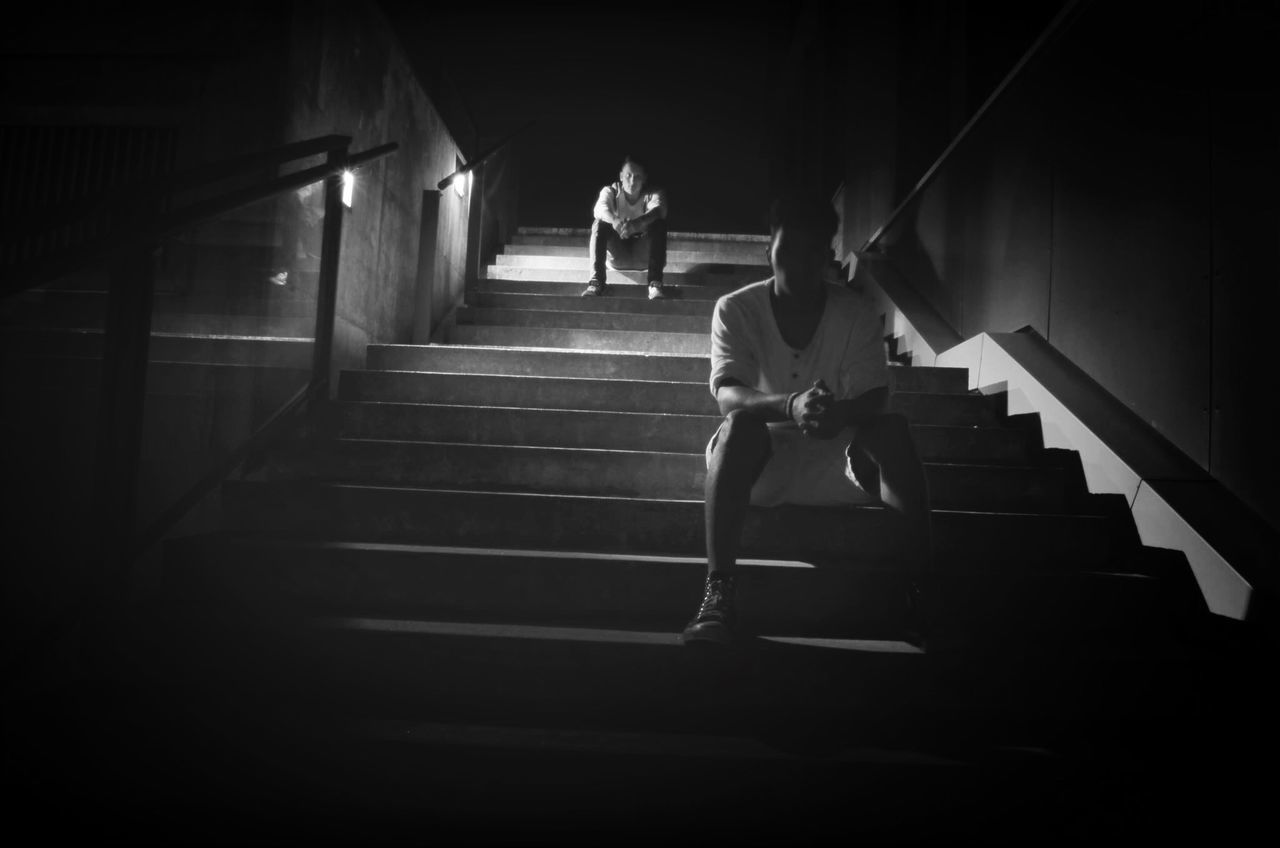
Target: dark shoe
x,y
715,620
594,288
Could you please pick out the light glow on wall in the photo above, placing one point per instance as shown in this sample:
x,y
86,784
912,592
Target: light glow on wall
x,y
461,183
348,188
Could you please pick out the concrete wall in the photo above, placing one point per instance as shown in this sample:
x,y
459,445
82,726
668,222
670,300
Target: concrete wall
x,y
348,74
1120,200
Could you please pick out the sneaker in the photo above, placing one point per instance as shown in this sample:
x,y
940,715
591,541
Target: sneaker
x,y
715,619
280,278
657,291
594,288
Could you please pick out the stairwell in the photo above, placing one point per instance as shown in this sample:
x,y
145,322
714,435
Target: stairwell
x,y
481,557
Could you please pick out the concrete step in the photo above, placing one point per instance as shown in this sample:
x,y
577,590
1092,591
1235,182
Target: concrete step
x,y
541,362
615,395
691,252
727,282
621,473
628,431
614,678
629,321
538,362
565,588
275,326
166,347
576,303
692,265
341,512
276,300
741,250
526,392
684,344
628,290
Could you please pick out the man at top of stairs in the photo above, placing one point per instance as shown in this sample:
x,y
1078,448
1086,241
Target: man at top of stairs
x,y
630,226
798,369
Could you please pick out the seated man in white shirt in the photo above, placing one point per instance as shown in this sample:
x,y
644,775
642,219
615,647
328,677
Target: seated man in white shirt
x,y
630,227
799,370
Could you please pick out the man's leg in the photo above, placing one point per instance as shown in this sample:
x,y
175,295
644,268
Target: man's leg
x,y
597,247
884,459
657,236
741,450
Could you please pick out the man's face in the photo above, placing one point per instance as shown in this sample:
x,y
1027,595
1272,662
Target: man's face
x,y
799,256
632,177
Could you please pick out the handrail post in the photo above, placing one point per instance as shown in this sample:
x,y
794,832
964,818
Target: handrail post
x,y
327,285
121,407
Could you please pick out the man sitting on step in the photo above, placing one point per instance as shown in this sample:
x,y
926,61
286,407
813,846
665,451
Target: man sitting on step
x,y
798,368
630,227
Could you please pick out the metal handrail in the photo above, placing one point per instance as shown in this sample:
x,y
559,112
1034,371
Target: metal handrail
x,y
1067,14
74,211
107,247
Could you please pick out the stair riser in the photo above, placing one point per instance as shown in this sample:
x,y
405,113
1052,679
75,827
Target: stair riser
x,y
551,363
688,253
589,592
675,265
236,325
268,352
727,281
778,600
624,321
622,291
540,393
628,306
539,427
743,251
623,473
681,344
281,301
666,687
607,395
418,516
636,431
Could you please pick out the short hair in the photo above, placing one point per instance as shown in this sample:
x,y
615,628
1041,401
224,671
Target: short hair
x,y
803,210
631,160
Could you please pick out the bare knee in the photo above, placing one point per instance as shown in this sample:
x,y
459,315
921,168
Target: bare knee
x,y
743,433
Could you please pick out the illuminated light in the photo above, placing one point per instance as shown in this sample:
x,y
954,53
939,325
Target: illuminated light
x,y
348,188
461,182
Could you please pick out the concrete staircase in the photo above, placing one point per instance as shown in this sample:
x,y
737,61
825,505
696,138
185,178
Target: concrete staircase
x,y
489,545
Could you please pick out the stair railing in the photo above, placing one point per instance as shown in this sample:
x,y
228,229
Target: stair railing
x,y
143,219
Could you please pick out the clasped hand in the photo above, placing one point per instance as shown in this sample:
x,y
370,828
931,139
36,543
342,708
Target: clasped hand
x,y
814,411
625,229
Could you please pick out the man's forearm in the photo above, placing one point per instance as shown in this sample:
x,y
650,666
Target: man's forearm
x,y
646,220
766,407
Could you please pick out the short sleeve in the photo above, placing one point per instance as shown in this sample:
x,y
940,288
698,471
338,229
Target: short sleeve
x,y
732,354
604,203
656,200
864,366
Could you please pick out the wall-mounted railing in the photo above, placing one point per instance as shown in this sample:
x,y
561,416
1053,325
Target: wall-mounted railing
x,y
1101,210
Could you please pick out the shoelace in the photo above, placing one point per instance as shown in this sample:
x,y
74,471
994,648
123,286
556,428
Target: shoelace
x,y
714,597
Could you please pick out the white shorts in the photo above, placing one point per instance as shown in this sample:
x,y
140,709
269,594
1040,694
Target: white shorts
x,y
805,470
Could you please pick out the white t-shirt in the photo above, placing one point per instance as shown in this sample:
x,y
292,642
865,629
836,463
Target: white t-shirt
x,y
846,352
613,200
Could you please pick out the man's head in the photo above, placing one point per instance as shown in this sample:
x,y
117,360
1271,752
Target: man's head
x,y
801,227
633,176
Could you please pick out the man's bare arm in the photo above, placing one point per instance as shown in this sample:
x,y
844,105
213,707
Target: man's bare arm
x,y
732,394
643,222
